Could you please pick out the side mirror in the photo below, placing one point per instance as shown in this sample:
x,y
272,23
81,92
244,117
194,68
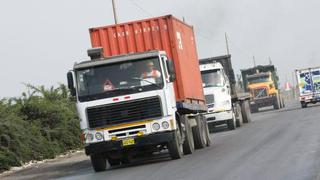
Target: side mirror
x,y
71,84
171,70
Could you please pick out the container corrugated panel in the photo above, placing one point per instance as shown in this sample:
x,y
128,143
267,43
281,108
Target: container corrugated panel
x,y
164,33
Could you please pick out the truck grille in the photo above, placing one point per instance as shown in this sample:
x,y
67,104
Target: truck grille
x,y
209,99
260,92
124,112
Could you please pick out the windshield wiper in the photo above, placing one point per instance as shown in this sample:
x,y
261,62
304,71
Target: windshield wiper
x,y
121,89
151,83
213,86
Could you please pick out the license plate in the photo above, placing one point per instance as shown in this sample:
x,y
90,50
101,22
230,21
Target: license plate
x,y
128,142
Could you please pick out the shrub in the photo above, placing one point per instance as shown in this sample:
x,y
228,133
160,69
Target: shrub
x,y
39,125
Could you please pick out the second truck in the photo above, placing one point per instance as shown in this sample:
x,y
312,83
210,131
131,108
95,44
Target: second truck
x,y
225,104
141,92
262,82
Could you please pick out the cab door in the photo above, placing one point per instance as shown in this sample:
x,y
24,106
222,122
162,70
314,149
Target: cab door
x,y
168,88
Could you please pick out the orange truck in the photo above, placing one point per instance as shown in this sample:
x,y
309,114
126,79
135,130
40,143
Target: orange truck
x,y
262,82
141,92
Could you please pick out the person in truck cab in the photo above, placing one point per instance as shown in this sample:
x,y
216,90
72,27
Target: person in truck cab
x,y
150,72
107,85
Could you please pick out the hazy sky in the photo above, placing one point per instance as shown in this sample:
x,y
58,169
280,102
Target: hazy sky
x,y
40,39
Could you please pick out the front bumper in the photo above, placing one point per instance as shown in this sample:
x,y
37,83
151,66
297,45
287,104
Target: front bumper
x,y
116,145
218,116
263,102
310,99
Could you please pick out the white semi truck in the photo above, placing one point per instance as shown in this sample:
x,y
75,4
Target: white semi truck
x,y
133,101
225,105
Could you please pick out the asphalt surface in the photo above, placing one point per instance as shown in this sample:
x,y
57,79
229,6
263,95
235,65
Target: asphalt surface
x,y
282,144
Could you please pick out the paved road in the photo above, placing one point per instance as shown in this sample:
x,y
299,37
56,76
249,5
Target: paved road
x,y
281,144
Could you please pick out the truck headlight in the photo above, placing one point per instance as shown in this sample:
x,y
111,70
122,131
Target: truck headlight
x,y
156,126
99,136
226,103
271,86
89,137
165,125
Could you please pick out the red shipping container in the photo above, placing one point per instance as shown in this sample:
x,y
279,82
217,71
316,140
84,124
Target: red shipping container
x,y
164,33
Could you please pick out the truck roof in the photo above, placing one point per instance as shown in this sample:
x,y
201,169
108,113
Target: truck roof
x,y
210,66
259,67
259,74
141,21
114,59
310,68
212,59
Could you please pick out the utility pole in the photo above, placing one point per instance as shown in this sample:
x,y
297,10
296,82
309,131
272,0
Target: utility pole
x,y
254,61
114,12
227,43
270,62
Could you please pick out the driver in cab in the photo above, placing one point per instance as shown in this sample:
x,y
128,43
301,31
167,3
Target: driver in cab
x,y
150,72
107,85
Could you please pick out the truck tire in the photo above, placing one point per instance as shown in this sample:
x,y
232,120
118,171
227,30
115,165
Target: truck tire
x,y
126,159
114,162
211,127
245,111
239,119
276,103
254,109
281,103
98,162
232,123
304,105
199,134
206,127
175,147
188,144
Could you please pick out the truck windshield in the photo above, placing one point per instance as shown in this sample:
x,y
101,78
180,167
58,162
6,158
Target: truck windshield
x,y
258,79
119,79
212,78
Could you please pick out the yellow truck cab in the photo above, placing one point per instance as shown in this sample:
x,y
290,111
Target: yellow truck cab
x,y
261,81
262,84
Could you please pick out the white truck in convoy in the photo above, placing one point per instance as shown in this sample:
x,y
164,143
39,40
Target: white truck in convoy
x,y
225,105
309,85
135,96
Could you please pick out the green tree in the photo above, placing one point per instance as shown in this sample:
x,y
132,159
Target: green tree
x,y
40,124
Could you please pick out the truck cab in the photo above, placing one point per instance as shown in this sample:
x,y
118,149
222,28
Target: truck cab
x,y
261,85
308,80
262,82
120,107
134,95
217,92
127,108
115,92
263,91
